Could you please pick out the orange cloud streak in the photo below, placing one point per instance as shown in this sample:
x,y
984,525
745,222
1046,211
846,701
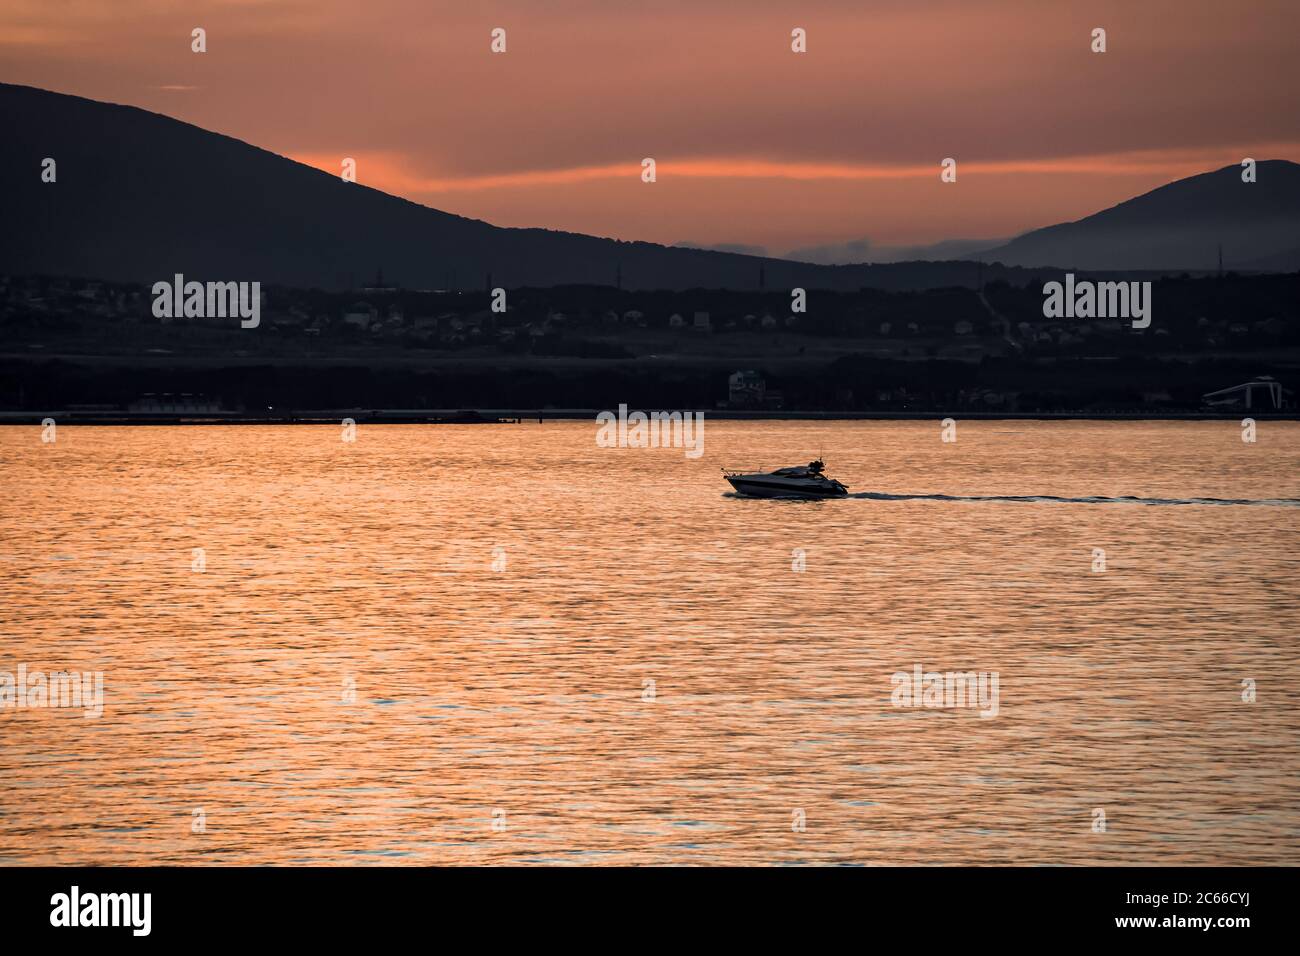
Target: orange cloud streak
x,y
392,173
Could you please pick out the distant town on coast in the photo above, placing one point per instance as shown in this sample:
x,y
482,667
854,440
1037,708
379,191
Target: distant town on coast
x,y
97,348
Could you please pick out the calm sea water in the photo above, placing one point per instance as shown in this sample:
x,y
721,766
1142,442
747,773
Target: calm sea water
x,y
436,645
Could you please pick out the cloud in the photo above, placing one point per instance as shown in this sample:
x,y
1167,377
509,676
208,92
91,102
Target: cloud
x,y
401,174
834,254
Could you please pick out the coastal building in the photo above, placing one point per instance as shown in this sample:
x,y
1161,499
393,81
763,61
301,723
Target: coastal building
x,y
1262,392
182,403
746,389
360,315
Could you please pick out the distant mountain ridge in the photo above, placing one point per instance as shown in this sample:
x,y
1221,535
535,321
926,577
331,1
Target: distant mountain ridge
x,y
1179,226
140,196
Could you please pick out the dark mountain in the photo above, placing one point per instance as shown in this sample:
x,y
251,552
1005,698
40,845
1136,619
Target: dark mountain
x,y
1179,227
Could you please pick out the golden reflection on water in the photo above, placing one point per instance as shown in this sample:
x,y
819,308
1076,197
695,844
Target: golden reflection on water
x,y
498,598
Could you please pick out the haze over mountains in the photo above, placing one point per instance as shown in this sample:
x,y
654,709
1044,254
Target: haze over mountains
x,y
140,196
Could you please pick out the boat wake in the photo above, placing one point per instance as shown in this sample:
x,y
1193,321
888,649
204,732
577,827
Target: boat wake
x,y
1046,499
1089,500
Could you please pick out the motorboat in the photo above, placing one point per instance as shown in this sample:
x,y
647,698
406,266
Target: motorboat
x,y
801,481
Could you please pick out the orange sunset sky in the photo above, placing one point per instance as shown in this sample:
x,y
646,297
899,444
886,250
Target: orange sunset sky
x,y
758,148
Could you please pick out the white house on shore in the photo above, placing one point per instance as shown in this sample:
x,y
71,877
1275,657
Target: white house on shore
x,y
361,315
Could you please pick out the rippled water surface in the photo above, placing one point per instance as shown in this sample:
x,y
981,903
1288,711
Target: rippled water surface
x,y
498,600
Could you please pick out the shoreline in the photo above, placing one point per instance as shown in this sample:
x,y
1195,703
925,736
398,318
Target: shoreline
x,y
496,416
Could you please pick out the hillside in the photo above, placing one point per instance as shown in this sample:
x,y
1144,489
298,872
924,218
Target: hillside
x,y
1179,226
